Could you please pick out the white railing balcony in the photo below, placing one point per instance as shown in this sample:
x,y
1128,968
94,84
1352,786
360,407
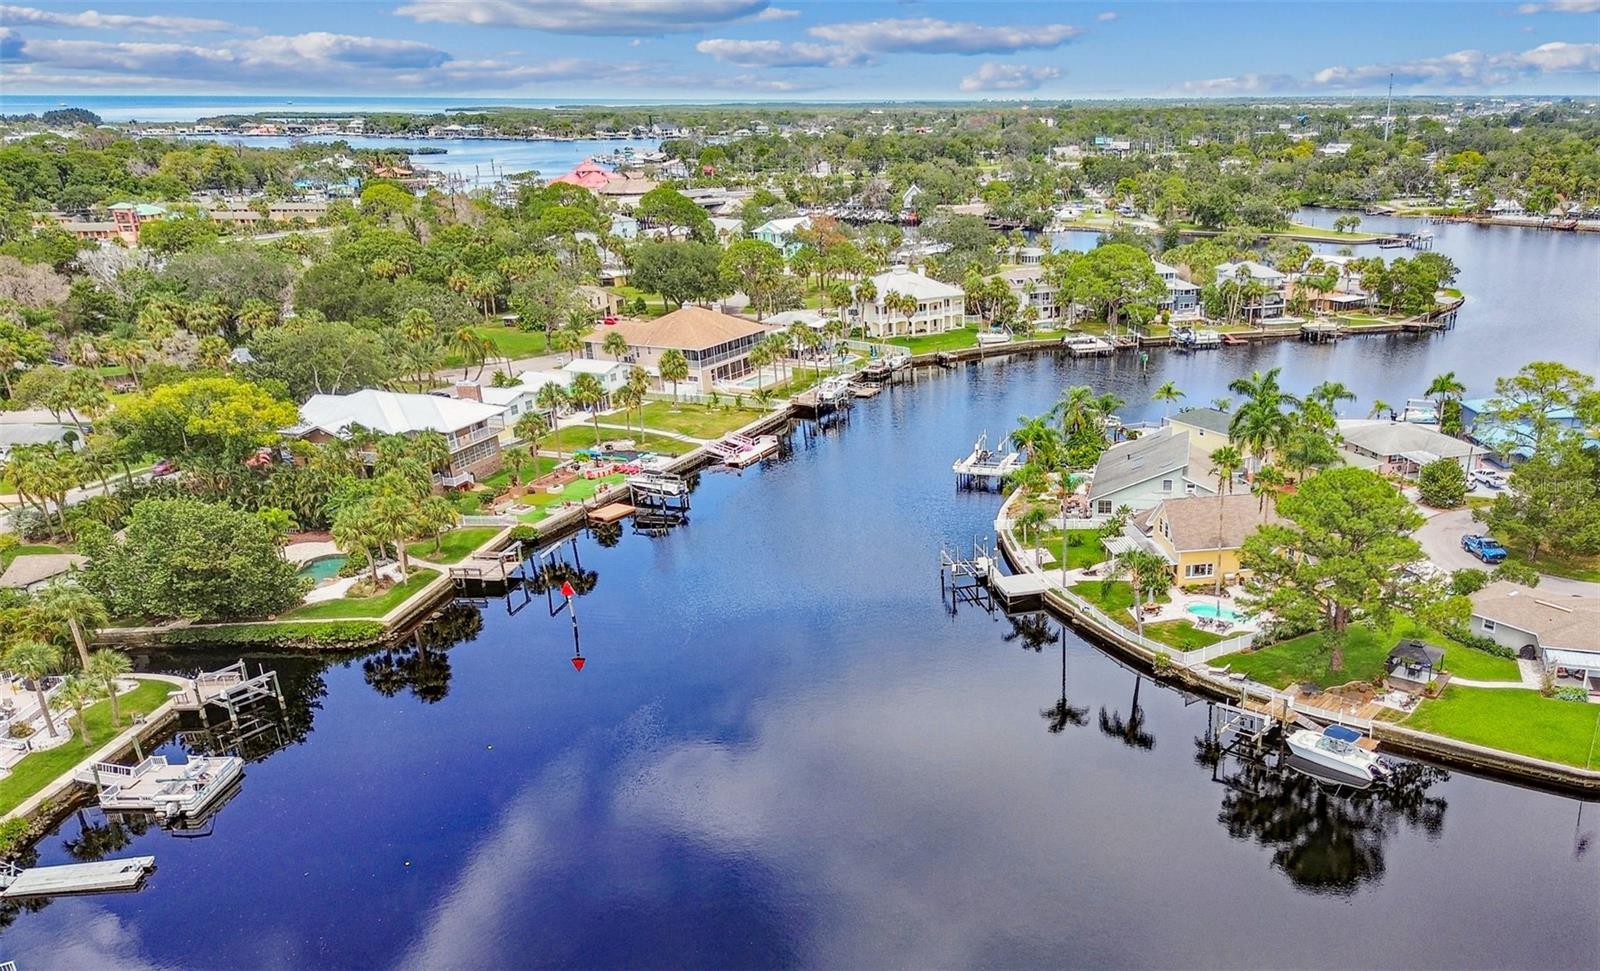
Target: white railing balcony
x,y
463,440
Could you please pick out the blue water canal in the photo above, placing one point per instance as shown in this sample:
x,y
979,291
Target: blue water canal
x,y
783,749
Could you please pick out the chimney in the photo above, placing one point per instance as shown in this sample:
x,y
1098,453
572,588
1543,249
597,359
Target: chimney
x,y
469,391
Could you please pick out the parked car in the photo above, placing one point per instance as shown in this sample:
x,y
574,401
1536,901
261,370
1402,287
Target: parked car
x,y
1490,478
163,467
1485,548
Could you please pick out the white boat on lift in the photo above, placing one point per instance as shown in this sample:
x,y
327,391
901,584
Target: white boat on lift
x,y
1335,748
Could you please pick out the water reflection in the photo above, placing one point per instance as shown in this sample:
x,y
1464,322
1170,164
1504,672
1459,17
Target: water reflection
x,y
421,665
1129,729
1063,713
1327,838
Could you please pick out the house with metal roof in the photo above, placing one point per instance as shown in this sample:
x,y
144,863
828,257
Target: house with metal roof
x,y
471,428
1140,474
940,306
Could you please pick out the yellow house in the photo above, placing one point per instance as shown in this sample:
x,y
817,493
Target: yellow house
x,y
1207,427
1201,535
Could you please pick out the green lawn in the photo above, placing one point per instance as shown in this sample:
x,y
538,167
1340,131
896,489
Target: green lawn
x,y
1306,658
1116,601
655,306
454,545
38,770
696,420
1576,568
25,549
579,490
1516,721
574,437
950,340
352,607
1083,548
514,342
1180,634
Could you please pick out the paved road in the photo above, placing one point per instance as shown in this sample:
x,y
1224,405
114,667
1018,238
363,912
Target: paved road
x,y
1441,536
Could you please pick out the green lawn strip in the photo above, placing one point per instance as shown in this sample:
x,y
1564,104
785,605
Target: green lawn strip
x,y
39,769
1575,568
25,550
1180,634
1306,658
694,420
577,437
374,606
454,545
655,306
1515,720
950,340
579,490
1116,601
1083,548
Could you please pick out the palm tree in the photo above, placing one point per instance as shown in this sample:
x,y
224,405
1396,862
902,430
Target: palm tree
x,y
81,611
1031,521
1225,463
1033,435
353,532
531,426
587,393
1330,393
1380,408
616,345
1147,576
107,667
674,367
1265,485
465,341
1261,424
79,692
516,459
1442,389
1075,409
393,519
35,660
1168,394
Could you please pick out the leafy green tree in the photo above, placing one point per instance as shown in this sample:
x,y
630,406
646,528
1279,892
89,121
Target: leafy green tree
x,y
1114,279
754,267
183,558
177,234
222,419
1336,558
1442,484
1553,503
320,357
669,209
680,272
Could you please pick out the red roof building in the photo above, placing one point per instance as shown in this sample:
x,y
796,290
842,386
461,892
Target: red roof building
x,y
589,175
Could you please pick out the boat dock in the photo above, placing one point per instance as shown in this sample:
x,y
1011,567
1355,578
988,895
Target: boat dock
x,y
1088,346
99,877
738,451
984,468
833,391
611,512
1321,331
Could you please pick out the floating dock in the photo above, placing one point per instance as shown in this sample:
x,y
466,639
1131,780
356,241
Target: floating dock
x,y
611,512
100,877
158,786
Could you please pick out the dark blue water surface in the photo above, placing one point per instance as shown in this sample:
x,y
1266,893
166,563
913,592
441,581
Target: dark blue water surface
x,y
783,750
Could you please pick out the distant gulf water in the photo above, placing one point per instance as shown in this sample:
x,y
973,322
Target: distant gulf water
x,y
167,108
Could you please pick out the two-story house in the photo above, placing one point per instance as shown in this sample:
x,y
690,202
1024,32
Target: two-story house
x,y
940,306
1165,464
470,428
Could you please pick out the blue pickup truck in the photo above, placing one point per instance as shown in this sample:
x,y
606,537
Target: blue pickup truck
x,y
1485,548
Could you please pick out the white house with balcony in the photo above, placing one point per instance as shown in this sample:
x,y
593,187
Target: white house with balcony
x,y
940,306
470,428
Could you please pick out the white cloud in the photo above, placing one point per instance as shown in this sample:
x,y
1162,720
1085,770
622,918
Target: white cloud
x,y
1008,77
1460,69
600,17
930,36
1560,6
775,53
1106,17
94,20
777,13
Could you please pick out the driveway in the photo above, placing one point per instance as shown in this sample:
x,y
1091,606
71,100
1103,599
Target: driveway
x,y
1441,536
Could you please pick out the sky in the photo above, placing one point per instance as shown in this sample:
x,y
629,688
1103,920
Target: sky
x,y
722,50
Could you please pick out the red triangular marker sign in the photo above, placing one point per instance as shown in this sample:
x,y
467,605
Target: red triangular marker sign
x,y
577,664
566,589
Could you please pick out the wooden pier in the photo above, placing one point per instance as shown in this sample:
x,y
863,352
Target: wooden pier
x,y
50,881
491,566
611,512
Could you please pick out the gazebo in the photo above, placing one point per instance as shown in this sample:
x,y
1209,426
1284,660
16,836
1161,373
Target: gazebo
x,y
1414,663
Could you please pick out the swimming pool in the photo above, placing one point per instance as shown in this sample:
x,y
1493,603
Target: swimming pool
x,y
1213,611
323,567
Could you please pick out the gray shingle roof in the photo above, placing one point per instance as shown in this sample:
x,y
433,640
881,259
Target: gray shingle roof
x,y
1129,463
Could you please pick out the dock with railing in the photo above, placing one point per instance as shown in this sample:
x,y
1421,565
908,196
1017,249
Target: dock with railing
x,y
984,468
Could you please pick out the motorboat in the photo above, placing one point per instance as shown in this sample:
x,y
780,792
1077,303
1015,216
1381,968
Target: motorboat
x,y
1335,748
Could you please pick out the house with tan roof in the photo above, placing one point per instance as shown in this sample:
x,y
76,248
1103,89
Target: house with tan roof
x,y
1560,630
1201,535
716,345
